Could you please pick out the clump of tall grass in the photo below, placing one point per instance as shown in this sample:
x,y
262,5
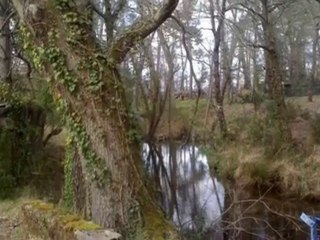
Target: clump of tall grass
x,y
258,155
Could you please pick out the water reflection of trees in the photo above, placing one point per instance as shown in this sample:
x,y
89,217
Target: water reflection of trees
x,y
197,203
187,189
261,218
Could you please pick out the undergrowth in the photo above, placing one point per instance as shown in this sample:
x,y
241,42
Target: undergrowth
x,y
256,154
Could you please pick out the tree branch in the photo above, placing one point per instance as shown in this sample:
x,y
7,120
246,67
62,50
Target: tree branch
x,y
140,30
259,46
254,12
118,8
98,11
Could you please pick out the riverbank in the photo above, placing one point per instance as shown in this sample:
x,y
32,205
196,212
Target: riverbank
x,y
254,154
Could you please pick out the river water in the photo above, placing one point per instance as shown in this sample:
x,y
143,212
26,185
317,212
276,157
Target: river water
x,y
204,208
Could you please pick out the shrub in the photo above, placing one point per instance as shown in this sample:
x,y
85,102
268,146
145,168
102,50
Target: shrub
x,y
7,184
255,128
294,110
249,96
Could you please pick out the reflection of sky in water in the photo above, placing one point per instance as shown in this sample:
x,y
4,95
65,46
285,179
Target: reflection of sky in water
x,y
184,175
197,198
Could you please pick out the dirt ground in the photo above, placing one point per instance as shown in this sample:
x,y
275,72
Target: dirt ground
x,y
11,223
9,228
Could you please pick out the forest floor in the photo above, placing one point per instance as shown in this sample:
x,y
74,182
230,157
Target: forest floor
x,y
11,223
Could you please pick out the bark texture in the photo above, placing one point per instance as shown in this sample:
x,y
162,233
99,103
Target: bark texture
x,y
88,83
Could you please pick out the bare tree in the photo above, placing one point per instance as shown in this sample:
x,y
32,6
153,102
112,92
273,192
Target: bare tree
x,y
273,71
265,12
218,35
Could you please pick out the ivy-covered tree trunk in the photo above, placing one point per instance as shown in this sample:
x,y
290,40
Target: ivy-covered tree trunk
x,y
57,36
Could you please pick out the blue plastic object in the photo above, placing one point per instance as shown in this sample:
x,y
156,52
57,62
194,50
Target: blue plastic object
x,y
312,222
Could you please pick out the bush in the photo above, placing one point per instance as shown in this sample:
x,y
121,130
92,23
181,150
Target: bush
x,y
249,96
274,143
294,110
255,129
263,129
7,184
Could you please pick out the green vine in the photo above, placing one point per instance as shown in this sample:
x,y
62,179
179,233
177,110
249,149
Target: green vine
x,y
34,53
95,75
68,175
77,24
97,171
95,165
51,55
61,75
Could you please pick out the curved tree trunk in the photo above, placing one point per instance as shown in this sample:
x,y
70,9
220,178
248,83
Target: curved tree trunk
x,y
88,87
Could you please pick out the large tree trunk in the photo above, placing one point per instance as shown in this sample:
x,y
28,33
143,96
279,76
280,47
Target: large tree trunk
x,y
88,87
5,42
273,74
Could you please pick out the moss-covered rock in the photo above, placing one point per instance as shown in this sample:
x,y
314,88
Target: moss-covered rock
x,y
47,221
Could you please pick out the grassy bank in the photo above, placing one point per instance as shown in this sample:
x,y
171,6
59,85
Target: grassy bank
x,y
255,154
11,220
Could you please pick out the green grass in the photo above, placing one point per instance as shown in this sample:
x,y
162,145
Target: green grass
x,y
187,107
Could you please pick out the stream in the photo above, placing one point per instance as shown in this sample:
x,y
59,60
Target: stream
x,y
202,207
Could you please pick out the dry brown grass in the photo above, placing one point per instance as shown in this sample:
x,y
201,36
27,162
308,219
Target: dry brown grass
x,y
11,224
291,175
304,103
